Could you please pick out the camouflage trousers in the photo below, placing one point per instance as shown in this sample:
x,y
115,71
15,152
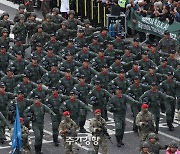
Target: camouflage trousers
x,y
70,147
102,142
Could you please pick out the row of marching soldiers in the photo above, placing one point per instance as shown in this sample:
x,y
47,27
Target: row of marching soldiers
x,y
69,69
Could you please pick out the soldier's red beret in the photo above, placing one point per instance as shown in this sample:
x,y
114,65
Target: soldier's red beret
x,y
144,106
21,119
66,113
97,111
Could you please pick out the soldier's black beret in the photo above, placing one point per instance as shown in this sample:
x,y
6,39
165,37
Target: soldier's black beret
x,y
118,57
172,51
119,34
39,81
95,37
3,47
163,59
10,69
152,67
50,48
154,84
38,44
19,92
170,73
54,64
86,60
52,35
97,82
109,42
135,63
19,52
2,85
127,47
72,92
85,45
105,66
104,28
121,71
166,32
70,40
34,57
54,88
18,39
136,78
68,70
82,76
144,53
136,40
118,88
37,97
81,30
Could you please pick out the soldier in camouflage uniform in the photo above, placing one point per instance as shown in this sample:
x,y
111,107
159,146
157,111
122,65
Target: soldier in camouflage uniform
x,y
5,22
32,24
95,46
55,44
144,148
40,91
66,84
171,87
151,76
73,22
97,127
22,103
38,110
154,145
82,88
103,36
19,47
56,17
20,29
145,122
153,54
128,57
84,54
39,37
145,63
51,78
99,61
63,34
120,81
39,52
74,106
48,26
164,68
5,58
172,60
135,91
25,137
69,63
26,86
18,64
166,43
5,98
68,130
99,97
50,59
156,100
3,124
117,105
54,101
86,70
33,70
11,80
172,148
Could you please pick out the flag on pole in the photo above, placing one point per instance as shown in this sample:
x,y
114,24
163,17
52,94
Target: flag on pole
x,y
17,136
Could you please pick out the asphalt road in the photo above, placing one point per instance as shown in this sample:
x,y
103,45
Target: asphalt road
x,y
131,139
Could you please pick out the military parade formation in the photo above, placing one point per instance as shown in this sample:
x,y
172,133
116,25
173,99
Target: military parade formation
x,y
74,69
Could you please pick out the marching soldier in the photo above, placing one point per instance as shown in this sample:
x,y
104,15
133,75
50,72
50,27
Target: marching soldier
x,y
73,22
38,110
54,101
98,128
82,88
128,57
145,122
172,60
45,7
164,68
51,78
39,91
135,91
26,86
171,87
69,130
99,97
156,100
33,70
5,98
56,17
74,106
3,124
95,46
20,29
11,80
86,70
120,81
166,44
144,148
117,105
103,36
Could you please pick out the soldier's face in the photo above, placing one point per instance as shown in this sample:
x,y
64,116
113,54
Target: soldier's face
x,y
63,26
26,80
19,57
97,115
169,77
118,61
6,17
3,51
167,36
136,81
145,149
153,49
121,75
38,49
118,38
20,96
82,80
104,70
101,54
67,74
2,89
144,56
40,30
5,34
37,102
69,58
110,46
135,67
85,64
50,52
21,10
55,92
136,44
21,20
104,32
10,74
80,34
87,25
67,118
72,97
164,63
71,16
118,92
32,18
153,87
34,62
54,68
18,43
127,52
172,56
151,71
70,44
84,49
95,41
152,140
39,86
48,19
173,150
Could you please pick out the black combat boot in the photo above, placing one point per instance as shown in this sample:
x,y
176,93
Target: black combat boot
x,y
55,139
118,141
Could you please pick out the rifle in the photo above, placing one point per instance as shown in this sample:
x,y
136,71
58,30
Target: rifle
x,y
104,131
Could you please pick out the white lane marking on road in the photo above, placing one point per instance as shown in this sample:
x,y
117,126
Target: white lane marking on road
x,y
10,4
